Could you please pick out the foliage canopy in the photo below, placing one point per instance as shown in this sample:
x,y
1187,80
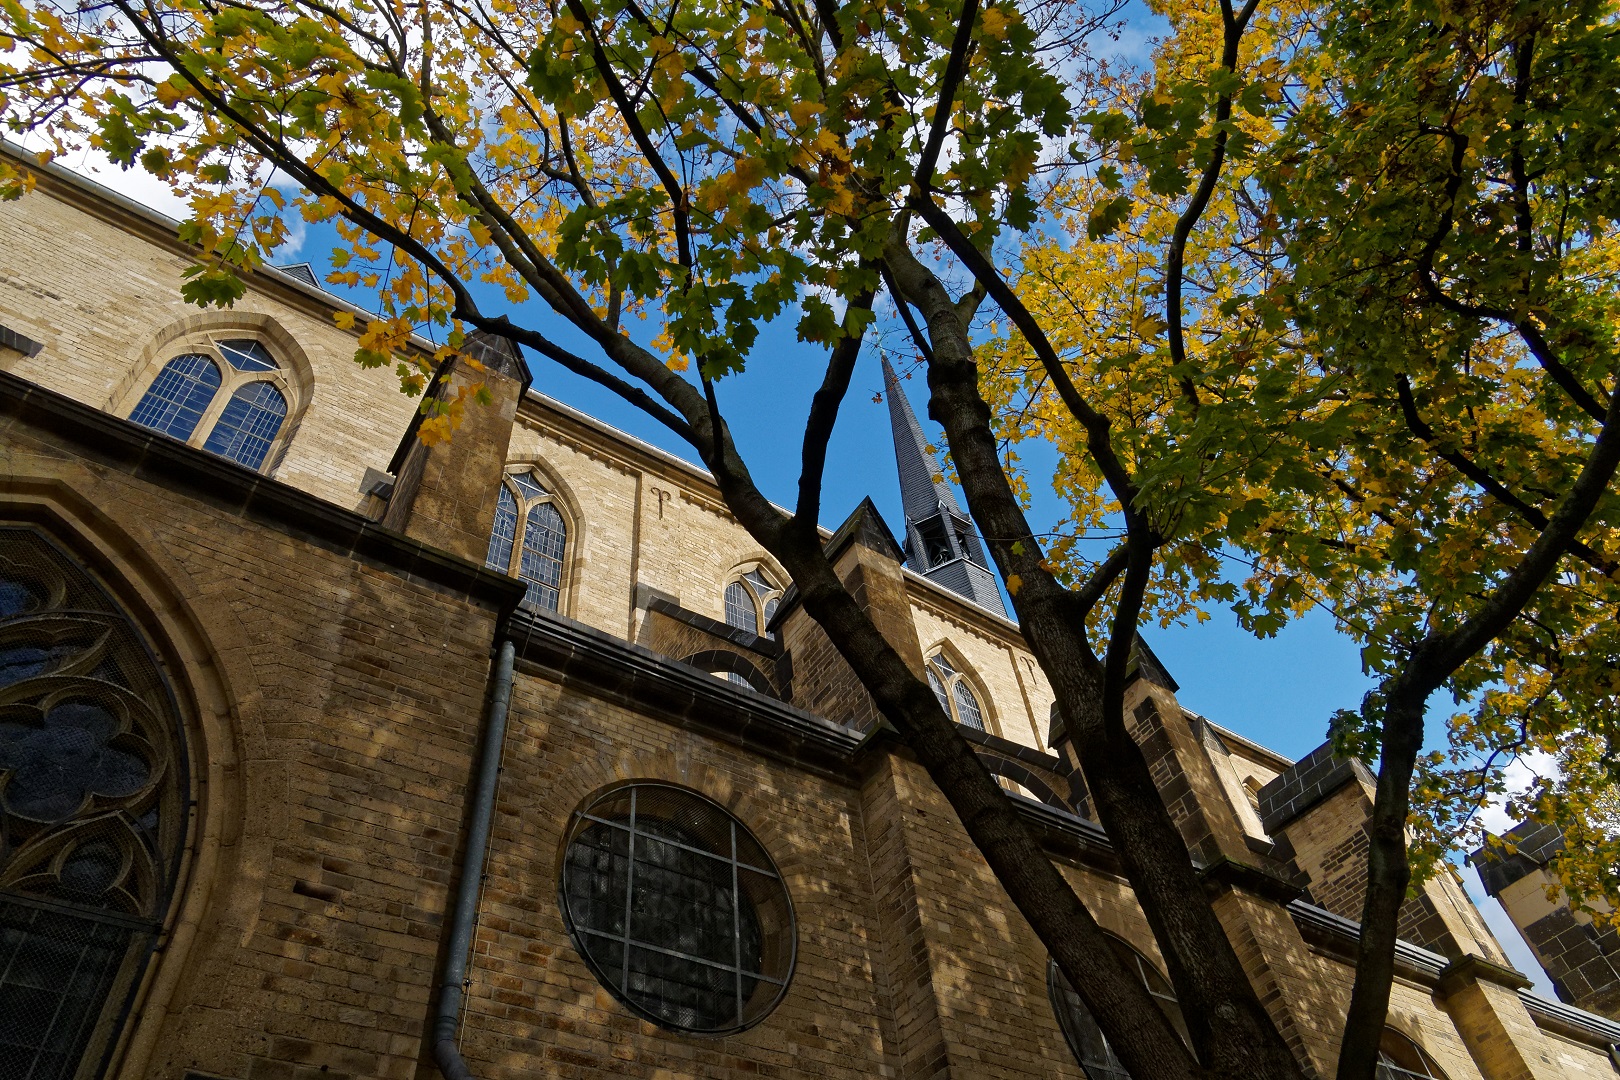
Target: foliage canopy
x,y
1329,291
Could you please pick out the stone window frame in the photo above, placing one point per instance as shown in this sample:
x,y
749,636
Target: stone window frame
x,y
144,861
557,497
1070,1019
964,675
291,377
1401,1057
765,603
779,953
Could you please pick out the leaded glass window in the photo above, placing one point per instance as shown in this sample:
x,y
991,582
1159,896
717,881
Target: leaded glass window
x,y
178,397
955,696
529,539
751,602
245,354
222,396
247,427
1080,1027
677,909
92,810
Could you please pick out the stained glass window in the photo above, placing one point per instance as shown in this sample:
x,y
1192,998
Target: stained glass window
x,y
92,810
677,908
529,539
955,696
179,396
249,424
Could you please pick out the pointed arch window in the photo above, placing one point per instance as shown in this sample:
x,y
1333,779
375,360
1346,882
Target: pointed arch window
x,y
1399,1058
226,396
1080,1027
751,602
529,539
955,696
92,810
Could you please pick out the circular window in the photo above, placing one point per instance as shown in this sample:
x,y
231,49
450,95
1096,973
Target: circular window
x,y
677,909
1080,1027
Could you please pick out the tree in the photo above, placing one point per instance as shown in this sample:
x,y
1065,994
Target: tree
x,y
1397,403
710,164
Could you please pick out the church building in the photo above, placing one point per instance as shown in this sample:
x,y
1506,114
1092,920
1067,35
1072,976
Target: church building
x,y
327,753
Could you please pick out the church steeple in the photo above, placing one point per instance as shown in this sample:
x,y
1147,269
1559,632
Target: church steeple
x,y
940,542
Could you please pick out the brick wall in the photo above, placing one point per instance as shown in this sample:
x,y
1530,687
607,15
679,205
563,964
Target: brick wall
x,y
104,332
336,702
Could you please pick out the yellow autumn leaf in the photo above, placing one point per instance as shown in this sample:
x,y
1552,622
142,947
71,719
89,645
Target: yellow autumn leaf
x,y
805,111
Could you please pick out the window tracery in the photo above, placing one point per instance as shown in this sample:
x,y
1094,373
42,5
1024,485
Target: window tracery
x,y
751,602
226,396
677,908
955,696
92,808
529,538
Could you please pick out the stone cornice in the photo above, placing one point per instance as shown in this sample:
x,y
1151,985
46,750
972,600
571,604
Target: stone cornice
x,y
1570,1022
581,657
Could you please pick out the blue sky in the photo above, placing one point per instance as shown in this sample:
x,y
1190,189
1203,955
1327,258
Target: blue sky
x,y
1279,692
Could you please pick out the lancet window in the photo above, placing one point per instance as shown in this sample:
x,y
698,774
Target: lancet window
x,y
955,696
751,602
529,538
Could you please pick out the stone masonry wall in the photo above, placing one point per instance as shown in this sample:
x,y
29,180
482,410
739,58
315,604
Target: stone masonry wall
x,y
335,705
536,1008
102,330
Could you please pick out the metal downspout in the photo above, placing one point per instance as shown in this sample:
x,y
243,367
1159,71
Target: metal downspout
x,y
452,982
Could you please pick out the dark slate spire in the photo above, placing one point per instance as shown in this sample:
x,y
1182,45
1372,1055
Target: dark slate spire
x,y
940,542
922,487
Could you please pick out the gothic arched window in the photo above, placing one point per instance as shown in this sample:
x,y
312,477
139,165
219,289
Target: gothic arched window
x,y
220,395
1399,1058
529,539
955,696
1080,1027
92,810
751,601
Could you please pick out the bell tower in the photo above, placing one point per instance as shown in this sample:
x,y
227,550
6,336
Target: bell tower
x,y
941,543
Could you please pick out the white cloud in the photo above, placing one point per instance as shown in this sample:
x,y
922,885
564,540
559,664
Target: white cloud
x,y
1521,775
135,184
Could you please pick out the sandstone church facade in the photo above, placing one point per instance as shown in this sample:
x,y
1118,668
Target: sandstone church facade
x,y
326,754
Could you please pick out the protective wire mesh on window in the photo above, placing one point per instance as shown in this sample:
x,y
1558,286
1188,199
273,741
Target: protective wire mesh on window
x,y
523,508
677,908
955,696
1080,1028
92,810
751,601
